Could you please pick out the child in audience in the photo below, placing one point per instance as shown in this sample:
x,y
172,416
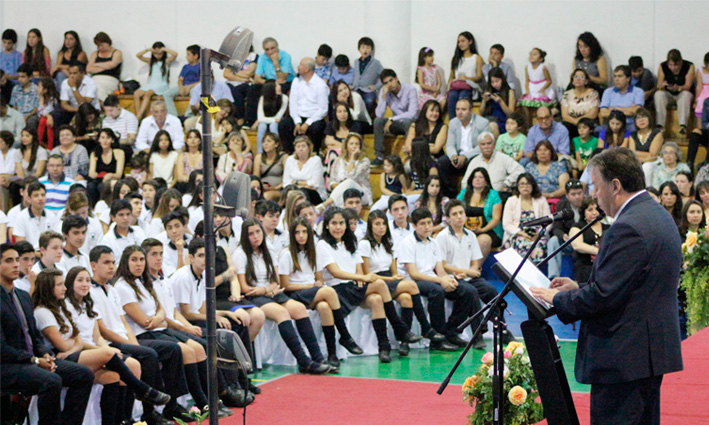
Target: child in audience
x,y
123,234
74,230
702,86
343,71
399,224
366,73
538,90
393,181
302,282
37,54
323,67
190,159
376,250
614,134
10,59
169,200
421,259
466,72
499,100
271,107
48,103
495,60
175,241
78,204
341,265
50,252
418,168
269,213
433,200
189,75
139,167
585,143
158,76
352,199
642,78
259,282
27,278
163,158
512,142
430,77
33,220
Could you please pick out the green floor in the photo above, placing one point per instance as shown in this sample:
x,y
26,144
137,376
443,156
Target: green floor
x,y
421,365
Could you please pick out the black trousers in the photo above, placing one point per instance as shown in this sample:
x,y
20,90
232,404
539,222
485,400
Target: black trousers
x,y
31,379
696,140
627,403
446,170
246,97
465,301
316,132
172,371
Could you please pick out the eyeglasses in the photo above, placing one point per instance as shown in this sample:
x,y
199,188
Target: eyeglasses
x,y
548,117
574,185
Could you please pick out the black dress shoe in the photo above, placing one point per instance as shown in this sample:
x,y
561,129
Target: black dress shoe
x,y
237,397
351,346
434,336
409,337
479,344
404,349
177,412
384,356
507,337
153,396
443,346
333,361
456,340
315,368
155,418
254,389
223,411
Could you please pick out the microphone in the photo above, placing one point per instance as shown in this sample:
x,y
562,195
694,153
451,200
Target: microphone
x,y
562,215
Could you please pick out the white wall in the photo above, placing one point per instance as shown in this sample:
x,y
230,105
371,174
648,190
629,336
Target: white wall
x,y
399,27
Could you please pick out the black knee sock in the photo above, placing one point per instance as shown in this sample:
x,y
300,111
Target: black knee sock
x,y
290,337
202,369
130,401
305,329
399,326
420,313
123,411
380,328
109,403
329,332
117,365
407,316
194,385
339,316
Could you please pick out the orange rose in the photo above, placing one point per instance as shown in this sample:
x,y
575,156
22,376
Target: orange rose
x,y
517,395
470,383
688,245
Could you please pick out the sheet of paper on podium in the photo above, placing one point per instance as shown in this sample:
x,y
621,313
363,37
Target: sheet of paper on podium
x,y
530,276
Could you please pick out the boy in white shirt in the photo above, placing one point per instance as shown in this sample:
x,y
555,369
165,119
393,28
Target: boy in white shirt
x,y
27,258
34,219
50,248
74,230
399,226
174,242
422,259
123,234
269,212
352,198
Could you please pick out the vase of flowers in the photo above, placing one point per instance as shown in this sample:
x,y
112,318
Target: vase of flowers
x,y
521,406
695,279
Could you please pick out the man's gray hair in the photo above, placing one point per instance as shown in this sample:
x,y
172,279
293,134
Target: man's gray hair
x,y
269,40
484,134
310,63
157,103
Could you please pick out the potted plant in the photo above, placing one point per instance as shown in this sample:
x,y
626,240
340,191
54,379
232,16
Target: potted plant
x,y
695,279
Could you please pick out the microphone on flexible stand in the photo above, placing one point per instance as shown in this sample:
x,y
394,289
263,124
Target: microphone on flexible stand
x,y
562,215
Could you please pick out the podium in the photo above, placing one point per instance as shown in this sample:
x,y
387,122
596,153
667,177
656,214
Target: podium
x,y
544,357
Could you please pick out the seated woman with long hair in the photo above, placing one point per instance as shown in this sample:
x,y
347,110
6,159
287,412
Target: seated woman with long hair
x,y
671,199
431,127
302,282
350,171
72,329
694,218
189,160
105,163
341,265
268,165
526,204
586,245
483,207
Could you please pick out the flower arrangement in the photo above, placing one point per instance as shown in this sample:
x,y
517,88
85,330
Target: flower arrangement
x,y
695,279
521,406
196,415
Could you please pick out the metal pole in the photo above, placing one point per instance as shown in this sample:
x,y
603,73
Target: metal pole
x,y
209,237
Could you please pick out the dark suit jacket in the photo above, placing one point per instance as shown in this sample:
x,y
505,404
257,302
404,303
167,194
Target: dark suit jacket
x,y
13,346
628,309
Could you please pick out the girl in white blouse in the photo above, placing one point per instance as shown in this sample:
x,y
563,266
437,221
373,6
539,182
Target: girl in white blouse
x,y
259,283
304,169
376,250
163,158
303,282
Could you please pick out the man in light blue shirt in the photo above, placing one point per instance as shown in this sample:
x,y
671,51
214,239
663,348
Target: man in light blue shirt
x,y
546,129
402,99
274,64
623,97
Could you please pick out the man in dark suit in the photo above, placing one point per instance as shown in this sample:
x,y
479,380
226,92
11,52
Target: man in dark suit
x,y
28,365
629,335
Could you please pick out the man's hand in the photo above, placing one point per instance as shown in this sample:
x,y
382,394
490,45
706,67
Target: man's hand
x,y
72,82
193,330
544,294
474,273
275,58
47,365
563,284
458,161
449,284
296,130
387,125
304,128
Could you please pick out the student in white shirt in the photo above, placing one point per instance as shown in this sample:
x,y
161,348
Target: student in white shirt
x,y
68,322
269,212
399,226
136,202
259,283
352,198
123,234
423,261
50,249
376,250
113,327
174,240
34,219
303,282
146,317
74,231
27,258
340,263
169,200
78,204
463,258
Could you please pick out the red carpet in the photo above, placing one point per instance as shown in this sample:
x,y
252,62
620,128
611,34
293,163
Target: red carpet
x,y
327,400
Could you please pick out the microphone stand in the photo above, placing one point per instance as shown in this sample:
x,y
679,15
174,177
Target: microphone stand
x,y
571,239
496,308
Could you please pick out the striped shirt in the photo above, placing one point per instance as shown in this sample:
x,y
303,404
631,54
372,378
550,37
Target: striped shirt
x,y
125,124
57,193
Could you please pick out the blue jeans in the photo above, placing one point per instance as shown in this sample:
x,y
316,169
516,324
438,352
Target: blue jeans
x,y
370,99
262,130
453,97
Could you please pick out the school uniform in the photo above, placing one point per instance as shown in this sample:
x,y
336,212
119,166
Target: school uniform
x,y
361,229
261,272
277,243
118,243
399,233
231,242
379,261
170,257
30,227
23,283
351,295
39,266
70,261
94,232
46,319
304,276
425,254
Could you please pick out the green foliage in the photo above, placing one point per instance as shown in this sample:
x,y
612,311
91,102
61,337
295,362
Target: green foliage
x,y
477,390
695,280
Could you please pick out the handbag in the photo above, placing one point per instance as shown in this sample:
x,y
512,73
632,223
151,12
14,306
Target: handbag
x,y
128,87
